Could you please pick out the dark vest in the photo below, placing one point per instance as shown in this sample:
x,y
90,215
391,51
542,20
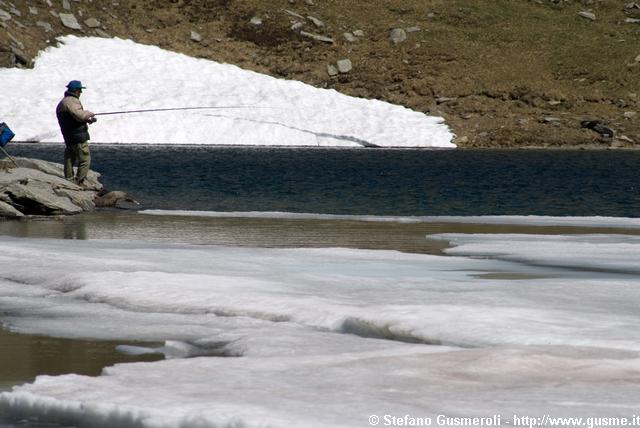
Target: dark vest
x,y
73,132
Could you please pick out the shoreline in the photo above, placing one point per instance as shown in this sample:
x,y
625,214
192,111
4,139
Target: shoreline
x,y
550,147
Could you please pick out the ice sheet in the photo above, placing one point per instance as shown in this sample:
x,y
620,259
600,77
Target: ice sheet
x,y
329,337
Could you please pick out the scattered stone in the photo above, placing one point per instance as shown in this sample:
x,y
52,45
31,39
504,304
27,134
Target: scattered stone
x,y
195,37
344,66
413,29
358,33
297,26
100,33
461,140
33,10
588,15
45,26
349,37
630,114
431,15
625,139
632,5
598,127
69,20
4,15
332,70
551,120
317,37
92,23
15,11
398,35
256,20
309,2
638,58
294,14
115,199
66,5
632,21
443,100
318,23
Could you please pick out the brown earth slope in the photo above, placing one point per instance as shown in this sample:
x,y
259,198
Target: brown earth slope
x,y
504,73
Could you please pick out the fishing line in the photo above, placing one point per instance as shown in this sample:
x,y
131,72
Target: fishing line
x,y
180,109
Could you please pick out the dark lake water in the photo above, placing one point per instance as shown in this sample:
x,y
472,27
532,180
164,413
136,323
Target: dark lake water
x,y
368,181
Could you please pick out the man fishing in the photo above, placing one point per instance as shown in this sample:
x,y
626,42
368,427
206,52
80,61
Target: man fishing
x,y
73,120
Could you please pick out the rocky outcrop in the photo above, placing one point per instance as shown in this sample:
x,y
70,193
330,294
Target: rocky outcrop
x,y
37,187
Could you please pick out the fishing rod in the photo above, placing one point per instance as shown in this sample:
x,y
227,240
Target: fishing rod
x,y
176,109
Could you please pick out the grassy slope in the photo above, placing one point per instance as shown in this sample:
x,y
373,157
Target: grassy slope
x,y
506,63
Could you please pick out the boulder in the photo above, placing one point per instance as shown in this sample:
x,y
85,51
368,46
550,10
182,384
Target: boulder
x,y
344,66
398,35
92,23
37,187
69,20
588,15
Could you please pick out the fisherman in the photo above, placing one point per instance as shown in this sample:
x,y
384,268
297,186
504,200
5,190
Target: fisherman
x,y
73,120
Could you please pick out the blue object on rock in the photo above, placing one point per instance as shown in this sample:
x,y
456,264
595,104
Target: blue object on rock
x,y
6,134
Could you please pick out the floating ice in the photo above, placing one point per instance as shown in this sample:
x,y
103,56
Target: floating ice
x,y
329,337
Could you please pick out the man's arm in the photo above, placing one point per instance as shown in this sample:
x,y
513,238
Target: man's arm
x,y
74,107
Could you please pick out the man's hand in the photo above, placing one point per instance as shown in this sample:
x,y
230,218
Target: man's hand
x,y
93,119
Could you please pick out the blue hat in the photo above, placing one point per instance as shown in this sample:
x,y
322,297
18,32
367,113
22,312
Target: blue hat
x,y
75,85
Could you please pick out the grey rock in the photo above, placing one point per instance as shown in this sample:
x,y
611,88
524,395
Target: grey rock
x,y
443,100
294,14
36,187
317,37
116,199
297,26
632,21
9,211
45,26
69,20
33,10
318,23
256,20
398,35
332,70
358,33
638,58
630,114
309,2
39,198
625,139
15,11
349,37
196,37
66,5
4,15
588,15
100,33
632,5
413,29
92,23
344,66
551,119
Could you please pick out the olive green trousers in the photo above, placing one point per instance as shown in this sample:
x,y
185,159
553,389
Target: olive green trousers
x,y
77,153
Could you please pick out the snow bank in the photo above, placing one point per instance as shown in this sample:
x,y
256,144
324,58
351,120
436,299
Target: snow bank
x,y
254,109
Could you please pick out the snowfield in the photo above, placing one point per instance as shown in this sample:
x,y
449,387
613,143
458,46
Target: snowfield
x,y
250,108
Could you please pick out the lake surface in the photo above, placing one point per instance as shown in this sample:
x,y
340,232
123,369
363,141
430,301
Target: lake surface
x,y
368,181
365,182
